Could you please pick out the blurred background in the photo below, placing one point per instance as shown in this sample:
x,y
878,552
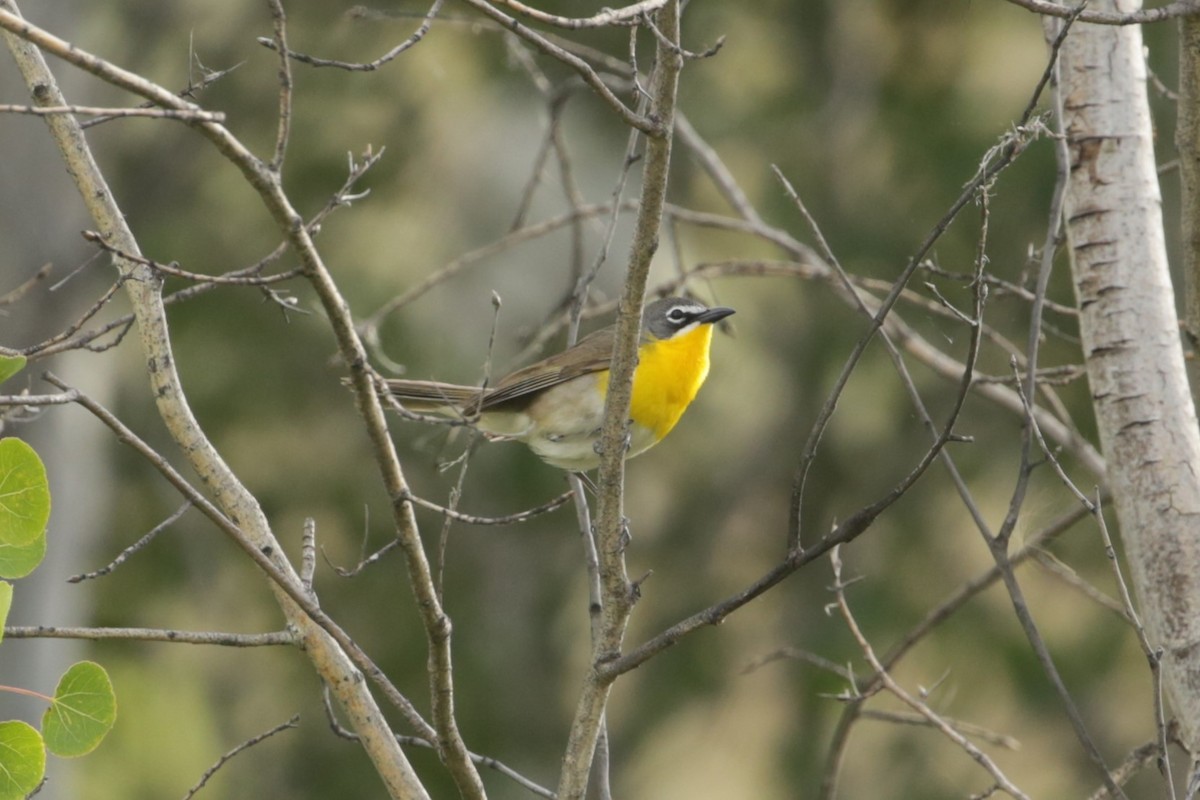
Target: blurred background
x,y
877,111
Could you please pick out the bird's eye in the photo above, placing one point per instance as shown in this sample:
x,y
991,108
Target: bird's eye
x,y
676,315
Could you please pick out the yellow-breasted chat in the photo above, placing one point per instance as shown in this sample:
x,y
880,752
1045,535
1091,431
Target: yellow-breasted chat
x,y
556,405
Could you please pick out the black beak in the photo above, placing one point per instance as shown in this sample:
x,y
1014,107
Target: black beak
x,y
711,315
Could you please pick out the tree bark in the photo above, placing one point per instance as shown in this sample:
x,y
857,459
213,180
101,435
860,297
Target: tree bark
x,y
1131,341
1187,141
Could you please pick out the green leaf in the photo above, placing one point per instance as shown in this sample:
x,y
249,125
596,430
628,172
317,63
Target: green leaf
x,y
5,604
24,494
17,561
10,365
83,711
22,759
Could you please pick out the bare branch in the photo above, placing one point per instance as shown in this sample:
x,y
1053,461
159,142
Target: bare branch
x,y
648,21
185,114
717,171
489,762
1137,760
291,588
166,635
796,654
1142,16
331,651
133,548
308,551
508,519
191,91
63,398
618,595
912,702
629,15
239,278
370,325
369,66
294,722
283,131
545,45
965,728
15,294
998,159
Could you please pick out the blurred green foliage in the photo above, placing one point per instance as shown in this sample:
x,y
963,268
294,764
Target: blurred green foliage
x,y
878,112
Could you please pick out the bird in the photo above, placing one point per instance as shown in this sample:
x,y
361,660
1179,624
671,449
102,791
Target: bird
x,y
556,405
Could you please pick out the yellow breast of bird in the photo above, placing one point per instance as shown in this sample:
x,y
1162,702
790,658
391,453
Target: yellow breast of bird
x,y
668,375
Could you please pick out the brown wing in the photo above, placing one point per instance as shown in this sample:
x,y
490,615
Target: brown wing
x,y
433,396
592,353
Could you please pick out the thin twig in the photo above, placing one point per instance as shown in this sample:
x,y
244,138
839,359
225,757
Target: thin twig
x,y
185,114
796,654
917,705
16,293
951,605
191,91
278,577
965,728
863,517
1137,760
529,192
283,130
364,562
507,519
239,278
490,763
456,492
999,543
335,725
133,548
1002,286
372,322
1153,653
60,399
648,22
369,66
1142,16
458,516
579,292
547,46
167,635
975,323
416,741
1055,568
716,170
996,160
66,339
294,722
308,554
629,15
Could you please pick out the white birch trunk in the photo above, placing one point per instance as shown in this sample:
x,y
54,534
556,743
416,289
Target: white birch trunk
x,y
1131,341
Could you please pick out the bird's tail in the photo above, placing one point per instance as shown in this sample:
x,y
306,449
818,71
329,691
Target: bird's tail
x,y
434,397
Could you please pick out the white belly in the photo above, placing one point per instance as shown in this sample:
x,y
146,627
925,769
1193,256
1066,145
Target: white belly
x,y
569,419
